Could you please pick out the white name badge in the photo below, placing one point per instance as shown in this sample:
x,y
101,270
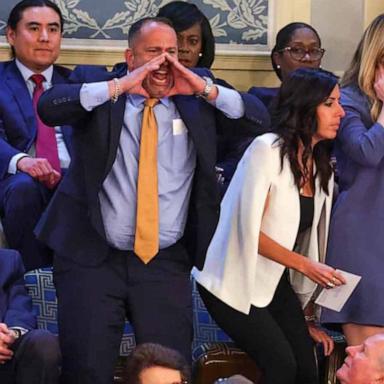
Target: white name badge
x,y
179,127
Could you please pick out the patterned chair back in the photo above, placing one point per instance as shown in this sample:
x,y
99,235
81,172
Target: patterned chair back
x,y
41,288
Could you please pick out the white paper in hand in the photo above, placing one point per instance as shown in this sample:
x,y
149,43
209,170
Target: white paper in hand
x,y
335,298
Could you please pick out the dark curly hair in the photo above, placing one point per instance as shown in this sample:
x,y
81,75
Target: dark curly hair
x,y
150,355
294,119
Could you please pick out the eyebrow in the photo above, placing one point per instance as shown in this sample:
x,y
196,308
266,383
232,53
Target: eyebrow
x,y
312,42
157,48
53,24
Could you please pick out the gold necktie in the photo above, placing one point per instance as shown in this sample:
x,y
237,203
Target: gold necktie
x,y
147,214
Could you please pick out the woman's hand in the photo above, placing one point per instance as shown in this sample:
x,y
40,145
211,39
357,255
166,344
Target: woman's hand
x,y
379,82
321,274
319,336
379,90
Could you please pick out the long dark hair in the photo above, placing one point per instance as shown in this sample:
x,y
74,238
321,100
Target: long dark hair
x,y
295,120
185,15
284,37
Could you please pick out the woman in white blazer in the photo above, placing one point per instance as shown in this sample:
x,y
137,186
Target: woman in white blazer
x,y
274,218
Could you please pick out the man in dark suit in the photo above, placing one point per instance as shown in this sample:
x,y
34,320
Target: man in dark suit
x,y
27,355
94,222
28,172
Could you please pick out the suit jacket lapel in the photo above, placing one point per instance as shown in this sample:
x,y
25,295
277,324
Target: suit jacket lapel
x,y
17,87
191,114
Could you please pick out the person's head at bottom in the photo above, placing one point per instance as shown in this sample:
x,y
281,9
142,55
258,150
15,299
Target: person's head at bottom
x,y
364,363
235,379
155,364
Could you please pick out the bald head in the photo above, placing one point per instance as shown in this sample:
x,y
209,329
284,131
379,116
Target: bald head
x,y
149,39
364,363
136,28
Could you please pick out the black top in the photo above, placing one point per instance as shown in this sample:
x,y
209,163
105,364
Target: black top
x,y
306,212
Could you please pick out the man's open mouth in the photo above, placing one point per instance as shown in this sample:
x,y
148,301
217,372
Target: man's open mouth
x,y
160,77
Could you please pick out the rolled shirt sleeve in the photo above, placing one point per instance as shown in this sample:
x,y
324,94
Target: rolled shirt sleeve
x,y
229,102
94,94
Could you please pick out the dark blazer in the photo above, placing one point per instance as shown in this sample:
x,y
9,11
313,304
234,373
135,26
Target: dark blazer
x,y
18,124
15,304
265,94
72,225
232,149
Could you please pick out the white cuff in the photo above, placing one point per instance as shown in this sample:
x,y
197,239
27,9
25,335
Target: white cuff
x,y
12,167
94,94
229,102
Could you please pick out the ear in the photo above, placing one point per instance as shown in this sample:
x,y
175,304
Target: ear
x,y
277,58
11,35
129,58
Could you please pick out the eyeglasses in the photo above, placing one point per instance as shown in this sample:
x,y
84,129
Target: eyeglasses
x,y
298,53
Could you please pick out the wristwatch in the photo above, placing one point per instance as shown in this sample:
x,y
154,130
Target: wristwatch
x,y
207,89
16,333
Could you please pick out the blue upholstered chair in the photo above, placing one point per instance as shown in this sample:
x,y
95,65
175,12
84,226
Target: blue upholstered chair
x,y
40,286
210,344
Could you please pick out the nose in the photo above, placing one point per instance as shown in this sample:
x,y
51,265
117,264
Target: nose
x,y
341,111
43,35
164,65
352,349
182,46
306,57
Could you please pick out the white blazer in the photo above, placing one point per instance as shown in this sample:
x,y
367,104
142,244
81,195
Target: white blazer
x,y
234,271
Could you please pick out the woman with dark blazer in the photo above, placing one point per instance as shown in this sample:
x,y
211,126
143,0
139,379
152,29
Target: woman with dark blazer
x,y
274,218
298,45
196,44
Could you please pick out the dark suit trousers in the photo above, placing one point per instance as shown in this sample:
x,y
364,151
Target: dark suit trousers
x,y
276,336
36,360
94,302
22,201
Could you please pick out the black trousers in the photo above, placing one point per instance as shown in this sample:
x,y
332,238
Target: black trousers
x,y
276,336
93,303
36,360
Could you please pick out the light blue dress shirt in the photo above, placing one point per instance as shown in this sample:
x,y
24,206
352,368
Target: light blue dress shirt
x,y
176,165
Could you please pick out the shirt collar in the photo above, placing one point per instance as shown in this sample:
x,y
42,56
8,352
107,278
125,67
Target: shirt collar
x,y
27,73
137,100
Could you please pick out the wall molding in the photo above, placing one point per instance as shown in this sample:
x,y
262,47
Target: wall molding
x,y
109,56
372,8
